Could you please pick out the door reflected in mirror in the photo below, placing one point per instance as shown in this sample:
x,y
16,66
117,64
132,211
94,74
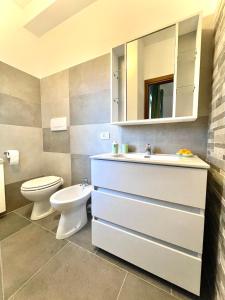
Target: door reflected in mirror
x,y
159,97
149,87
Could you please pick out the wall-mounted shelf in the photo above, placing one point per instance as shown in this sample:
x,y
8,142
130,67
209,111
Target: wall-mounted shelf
x,y
140,61
156,121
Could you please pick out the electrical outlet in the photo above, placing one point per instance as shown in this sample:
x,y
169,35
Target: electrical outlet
x,y
105,135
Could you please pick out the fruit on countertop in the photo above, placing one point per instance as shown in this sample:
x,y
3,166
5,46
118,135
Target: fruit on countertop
x,y
185,152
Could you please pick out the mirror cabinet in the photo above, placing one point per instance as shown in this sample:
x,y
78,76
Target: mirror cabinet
x,y
155,78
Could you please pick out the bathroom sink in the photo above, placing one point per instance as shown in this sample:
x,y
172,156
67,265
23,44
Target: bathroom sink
x,y
154,157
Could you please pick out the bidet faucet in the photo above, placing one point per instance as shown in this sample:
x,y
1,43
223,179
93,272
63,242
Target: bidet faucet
x,y
148,150
84,182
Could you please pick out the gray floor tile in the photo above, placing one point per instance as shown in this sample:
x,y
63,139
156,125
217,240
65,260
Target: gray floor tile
x,y
135,288
152,279
11,223
184,295
24,253
25,211
50,222
74,274
83,238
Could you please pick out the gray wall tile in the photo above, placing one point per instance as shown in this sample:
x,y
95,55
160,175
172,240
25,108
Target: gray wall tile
x,y
90,108
19,84
56,141
85,139
55,97
58,164
214,259
90,77
28,140
168,138
15,111
81,168
20,117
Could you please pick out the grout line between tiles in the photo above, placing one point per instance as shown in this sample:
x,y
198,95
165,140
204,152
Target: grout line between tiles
x,y
125,277
1,267
14,233
36,273
95,252
36,223
121,268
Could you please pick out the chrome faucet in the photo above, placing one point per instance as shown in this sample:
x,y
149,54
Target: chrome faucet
x,y
84,182
148,150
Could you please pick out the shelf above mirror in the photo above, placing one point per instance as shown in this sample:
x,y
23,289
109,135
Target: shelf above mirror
x,y
156,121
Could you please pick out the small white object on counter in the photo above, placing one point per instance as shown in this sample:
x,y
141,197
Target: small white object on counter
x,y
13,157
58,124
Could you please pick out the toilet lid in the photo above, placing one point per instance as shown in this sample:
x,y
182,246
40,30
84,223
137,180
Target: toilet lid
x,y
40,182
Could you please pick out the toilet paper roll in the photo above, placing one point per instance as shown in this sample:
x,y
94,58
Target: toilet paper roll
x,y
13,157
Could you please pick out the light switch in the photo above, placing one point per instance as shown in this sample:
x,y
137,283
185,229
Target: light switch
x,y
105,135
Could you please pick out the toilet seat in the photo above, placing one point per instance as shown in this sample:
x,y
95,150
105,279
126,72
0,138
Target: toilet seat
x,y
40,183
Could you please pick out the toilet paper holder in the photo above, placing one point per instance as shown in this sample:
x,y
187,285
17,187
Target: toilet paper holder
x,y
12,156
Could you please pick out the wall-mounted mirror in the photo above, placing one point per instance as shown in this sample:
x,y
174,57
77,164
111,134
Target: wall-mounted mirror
x,y
150,71
155,78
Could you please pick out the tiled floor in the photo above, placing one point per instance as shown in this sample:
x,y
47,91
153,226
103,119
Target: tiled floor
x,y
34,265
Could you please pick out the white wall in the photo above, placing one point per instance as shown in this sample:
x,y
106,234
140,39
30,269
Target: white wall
x,y
19,48
90,33
109,23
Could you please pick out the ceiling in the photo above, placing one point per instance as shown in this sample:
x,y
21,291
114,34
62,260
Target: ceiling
x,y
22,3
44,15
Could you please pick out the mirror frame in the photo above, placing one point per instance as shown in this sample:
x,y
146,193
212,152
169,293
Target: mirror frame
x,y
172,119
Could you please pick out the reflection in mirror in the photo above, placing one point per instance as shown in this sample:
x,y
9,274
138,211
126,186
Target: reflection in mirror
x,y
150,70
186,60
159,97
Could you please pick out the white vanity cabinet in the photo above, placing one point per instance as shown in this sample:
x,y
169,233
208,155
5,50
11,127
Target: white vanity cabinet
x,y
2,188
151,215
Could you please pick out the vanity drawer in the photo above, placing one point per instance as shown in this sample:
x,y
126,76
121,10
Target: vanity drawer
x,y
176,226
180,185
177,267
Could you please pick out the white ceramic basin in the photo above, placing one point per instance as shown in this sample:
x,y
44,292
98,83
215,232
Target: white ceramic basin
x,y
158,157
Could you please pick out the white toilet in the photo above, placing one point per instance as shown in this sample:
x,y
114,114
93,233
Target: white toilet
x,y
39,190
71,203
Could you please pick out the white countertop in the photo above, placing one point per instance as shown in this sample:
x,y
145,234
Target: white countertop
x,y
156,159
1,161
